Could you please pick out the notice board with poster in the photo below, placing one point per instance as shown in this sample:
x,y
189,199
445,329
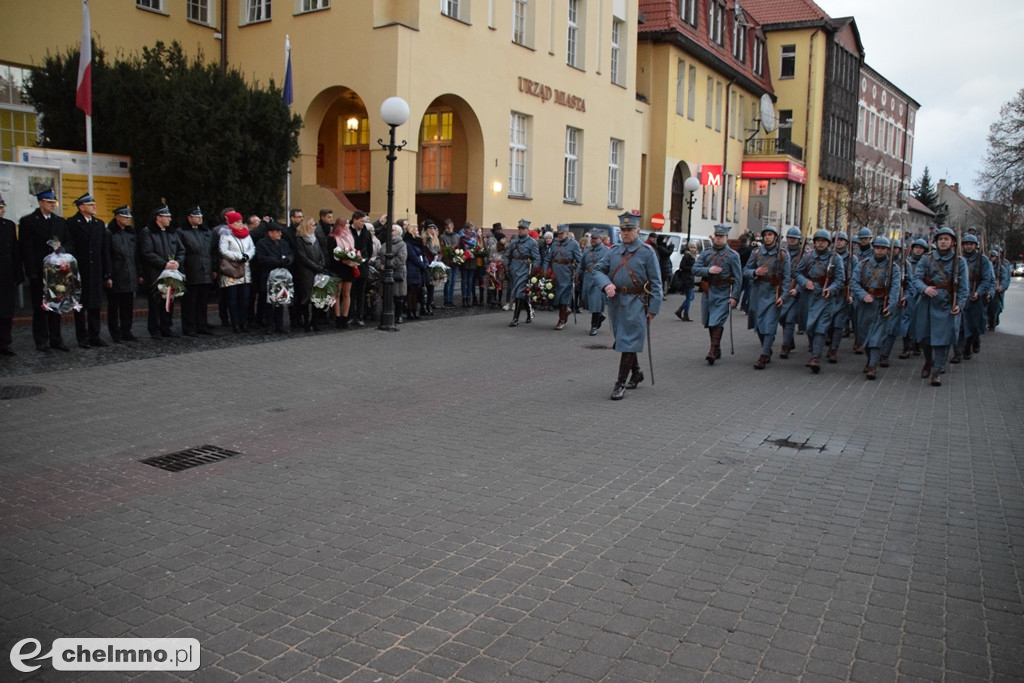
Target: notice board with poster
x,y
20,183
111,177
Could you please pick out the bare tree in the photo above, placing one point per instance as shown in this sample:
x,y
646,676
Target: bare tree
x,y
1002,177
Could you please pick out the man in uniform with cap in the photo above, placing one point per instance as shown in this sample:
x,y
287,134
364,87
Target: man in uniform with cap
x,y
821,276
199,273
11,275
630,277
592,295
519,258
271,253
92,249
981,285
36,232
768,270
908,305
160,249
939,307
562,259
721,275
794,312
875,286
124,273
843,307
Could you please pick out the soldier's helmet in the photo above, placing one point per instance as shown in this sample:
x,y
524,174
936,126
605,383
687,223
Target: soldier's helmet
x,y
881,242
970,239
843,236
864,234
823,235
919,242
770,228
945,231
896,244
794,232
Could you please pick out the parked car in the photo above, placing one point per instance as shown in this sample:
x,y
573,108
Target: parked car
x,y
1018,269
676,240
581,229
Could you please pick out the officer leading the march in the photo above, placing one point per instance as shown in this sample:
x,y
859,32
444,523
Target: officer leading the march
x,y
520,257
938,313
721,274
630,277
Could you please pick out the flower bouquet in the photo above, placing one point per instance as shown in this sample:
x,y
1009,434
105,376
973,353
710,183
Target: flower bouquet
x,y
350,257
280,287
495,274
170,285
453,256
62,286
438,272
325,291
480,253
540,288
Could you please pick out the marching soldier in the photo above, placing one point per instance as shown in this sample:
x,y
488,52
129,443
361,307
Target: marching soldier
x,y
629,274
562,259
794,312
1002,271
894,321
768,270
721,274
592,294
941,278
910,299
821,276
844,305
980,286
519,258
875,286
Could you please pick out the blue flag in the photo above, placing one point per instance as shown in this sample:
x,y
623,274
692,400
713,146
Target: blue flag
x,y
288,97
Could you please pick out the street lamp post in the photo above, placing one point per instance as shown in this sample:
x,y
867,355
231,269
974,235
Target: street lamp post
x,y
395,112
690,185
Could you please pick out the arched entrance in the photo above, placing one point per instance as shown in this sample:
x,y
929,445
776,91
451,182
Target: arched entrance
x,y
677,218
449,179
343,149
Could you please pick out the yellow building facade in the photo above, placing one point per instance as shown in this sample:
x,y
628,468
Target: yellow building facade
x,y
518,108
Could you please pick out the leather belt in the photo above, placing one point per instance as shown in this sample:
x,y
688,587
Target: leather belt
x,y
629,290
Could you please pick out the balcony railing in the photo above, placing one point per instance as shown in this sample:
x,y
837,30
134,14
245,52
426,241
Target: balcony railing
x,y
772,146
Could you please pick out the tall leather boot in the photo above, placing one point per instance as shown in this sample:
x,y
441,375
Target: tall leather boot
x,y
715,352
595,322
563,316
625,365
529,311
636,375
515,313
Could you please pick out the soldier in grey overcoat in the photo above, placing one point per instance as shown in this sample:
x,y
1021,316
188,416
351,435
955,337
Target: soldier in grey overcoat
x,y
721,278
520,257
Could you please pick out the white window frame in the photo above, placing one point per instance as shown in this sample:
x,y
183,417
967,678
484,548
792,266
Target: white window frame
x,y
688,11
618,70
519,157
757,58
573,175
691,95
572,34
718,105
739,41
709,105
787,52
306,6
256,11
456,9
151,6
716,22
680,88
615,173
194,9
522,23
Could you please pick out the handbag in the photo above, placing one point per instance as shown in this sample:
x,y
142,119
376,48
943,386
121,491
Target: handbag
x,y
232,269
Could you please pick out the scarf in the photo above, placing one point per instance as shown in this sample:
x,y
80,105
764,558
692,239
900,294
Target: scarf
x,y
311,239
241,233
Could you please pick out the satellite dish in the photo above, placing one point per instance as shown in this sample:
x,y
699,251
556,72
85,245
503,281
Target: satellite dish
x,y
767,113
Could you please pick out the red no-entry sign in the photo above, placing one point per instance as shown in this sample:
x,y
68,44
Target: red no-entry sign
x,y
657,221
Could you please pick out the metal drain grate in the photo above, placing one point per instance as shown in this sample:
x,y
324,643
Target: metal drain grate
x,y
190,457
13,391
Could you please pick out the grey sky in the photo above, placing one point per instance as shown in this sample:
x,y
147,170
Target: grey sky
x,y
960,61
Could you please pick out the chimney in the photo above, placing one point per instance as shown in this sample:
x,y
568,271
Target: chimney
x,y
956,187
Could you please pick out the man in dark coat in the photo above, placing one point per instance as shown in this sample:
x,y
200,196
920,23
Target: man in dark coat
x,y
159,249
10,277
92,249
363,239
34,232
198,269
124,273
271,253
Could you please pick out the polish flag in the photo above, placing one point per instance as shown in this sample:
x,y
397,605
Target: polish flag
x,y
83,95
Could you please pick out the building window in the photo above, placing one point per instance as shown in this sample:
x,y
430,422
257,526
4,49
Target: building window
x,y
312,5
709,105
716,21
355,155
688,11
456,9
573,48
681,88
788,67
155,5
18,127
198,11
257,10
705,191
517,145
739,41
757,58
618,33
522,24
691,95
573,138
436,151
614,170
718,105
734,117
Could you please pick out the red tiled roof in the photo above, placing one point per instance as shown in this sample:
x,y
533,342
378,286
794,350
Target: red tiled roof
x,y
783,11
914,205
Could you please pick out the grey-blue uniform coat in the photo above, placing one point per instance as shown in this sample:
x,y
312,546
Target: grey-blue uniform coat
x,y
630,267
982,283
764,291
826,271
593,295
520,257
842,310
721,287
877,277
995,306
562,259
911,296
934,324
795,305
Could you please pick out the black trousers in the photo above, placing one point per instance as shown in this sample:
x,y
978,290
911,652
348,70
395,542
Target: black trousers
x,y
194,303
357,308
160,319
45,325
87,324
120,308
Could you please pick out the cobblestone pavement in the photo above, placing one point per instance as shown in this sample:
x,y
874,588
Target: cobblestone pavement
x,y
460,501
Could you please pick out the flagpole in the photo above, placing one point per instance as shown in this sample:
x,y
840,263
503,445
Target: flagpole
x,y
288,101
83,88
88,148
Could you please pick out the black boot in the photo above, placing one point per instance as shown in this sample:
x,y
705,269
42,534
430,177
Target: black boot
x,y
515,314
625,365
595,322
637,374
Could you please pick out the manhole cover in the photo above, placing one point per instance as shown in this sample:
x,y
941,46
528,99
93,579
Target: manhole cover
x,y
189,458
13,391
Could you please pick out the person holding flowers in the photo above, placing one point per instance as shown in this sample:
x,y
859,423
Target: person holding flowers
x,y
92,246
519,258
37,232
343,262
631,278
468,244
237,248
449,243
309,262
431,251
273,253
160,249
562,259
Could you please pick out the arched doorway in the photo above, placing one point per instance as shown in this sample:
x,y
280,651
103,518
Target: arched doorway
x,y
343,150
677,218
449,178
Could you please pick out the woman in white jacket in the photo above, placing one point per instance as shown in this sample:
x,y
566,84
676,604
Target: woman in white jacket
x,y
237,247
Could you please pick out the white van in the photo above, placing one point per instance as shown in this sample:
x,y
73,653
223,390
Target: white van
x,y
676,240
